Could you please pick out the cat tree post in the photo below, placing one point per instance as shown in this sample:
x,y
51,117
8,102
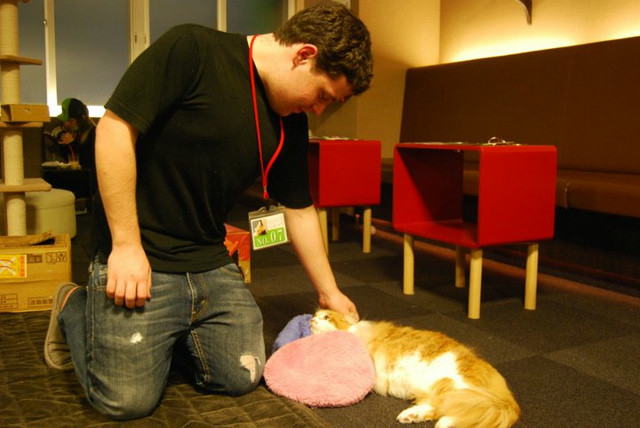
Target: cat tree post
x,y
14,184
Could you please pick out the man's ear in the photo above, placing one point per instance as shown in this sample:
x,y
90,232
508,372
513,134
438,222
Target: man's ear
x,y
305,53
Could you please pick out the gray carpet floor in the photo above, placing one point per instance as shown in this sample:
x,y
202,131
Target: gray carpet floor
x,y
573,362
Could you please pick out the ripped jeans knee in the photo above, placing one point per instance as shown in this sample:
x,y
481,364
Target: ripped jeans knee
x,y
248,378
226,342
252,365
126,353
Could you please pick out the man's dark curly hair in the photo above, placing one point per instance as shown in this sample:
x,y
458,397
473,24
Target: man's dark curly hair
x,y
343,41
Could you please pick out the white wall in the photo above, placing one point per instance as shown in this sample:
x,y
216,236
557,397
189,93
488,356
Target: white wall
x,y
404,33
411,33
484,28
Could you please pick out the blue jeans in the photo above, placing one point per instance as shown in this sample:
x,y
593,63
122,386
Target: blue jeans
x,y
122,356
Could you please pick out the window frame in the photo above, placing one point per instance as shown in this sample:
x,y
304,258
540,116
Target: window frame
x,y
139,40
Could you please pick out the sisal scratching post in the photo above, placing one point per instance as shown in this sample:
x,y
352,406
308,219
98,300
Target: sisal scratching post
x,y
15,208
12,157
9,46
13,164
13,172
10,83
9,25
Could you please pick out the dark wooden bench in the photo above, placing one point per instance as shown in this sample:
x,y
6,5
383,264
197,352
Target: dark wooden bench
x,y
584,99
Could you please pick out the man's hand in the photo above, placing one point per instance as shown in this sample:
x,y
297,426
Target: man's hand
x,y
129,277
128,271
304,230
339,303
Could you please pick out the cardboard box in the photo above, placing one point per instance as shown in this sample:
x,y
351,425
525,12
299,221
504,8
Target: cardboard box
x,y
25,113
30,275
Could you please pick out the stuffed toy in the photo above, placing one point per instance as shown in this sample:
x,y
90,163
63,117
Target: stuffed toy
x,y
297,328
330,369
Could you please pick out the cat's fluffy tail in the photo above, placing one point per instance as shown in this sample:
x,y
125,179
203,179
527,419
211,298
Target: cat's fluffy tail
x,y
480,407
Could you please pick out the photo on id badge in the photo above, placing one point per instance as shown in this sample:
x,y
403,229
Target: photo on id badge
x,y
268,230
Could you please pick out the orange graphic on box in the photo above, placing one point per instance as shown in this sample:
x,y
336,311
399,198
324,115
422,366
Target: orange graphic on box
x,y
13,266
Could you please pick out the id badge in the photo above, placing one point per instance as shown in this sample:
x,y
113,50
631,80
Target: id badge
x,y
268,227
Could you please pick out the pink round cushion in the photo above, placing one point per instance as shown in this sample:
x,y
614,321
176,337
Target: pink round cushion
x,y
330,369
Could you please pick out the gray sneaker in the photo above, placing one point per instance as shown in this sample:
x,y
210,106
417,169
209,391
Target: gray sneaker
x,y
56,351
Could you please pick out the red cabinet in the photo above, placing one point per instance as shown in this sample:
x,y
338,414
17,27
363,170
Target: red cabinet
x,y
516,202
345,173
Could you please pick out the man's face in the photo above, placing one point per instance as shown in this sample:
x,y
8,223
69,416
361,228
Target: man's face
x,y
304,89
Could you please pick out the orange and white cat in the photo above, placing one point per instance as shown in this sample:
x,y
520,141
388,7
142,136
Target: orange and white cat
x,y
446,380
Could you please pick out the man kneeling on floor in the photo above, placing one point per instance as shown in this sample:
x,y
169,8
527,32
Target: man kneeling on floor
x,y
194,121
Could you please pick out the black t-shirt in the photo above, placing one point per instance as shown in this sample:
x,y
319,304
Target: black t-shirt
x,y
189,96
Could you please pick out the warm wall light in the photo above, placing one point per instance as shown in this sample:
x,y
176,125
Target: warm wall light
x,y
469,34
511,47
624,34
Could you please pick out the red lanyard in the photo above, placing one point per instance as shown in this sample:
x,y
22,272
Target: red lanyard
x,y
265,172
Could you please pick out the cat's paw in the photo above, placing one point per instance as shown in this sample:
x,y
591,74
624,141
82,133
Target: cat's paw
x,y
417,413
446,422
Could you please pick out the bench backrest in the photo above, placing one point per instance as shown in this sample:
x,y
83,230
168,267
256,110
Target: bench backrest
x,y
583,99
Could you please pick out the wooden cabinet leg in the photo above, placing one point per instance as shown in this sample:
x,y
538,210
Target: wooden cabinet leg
x,y
460,275
366,230
531,282
409,259
335,224
475,283
322,215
